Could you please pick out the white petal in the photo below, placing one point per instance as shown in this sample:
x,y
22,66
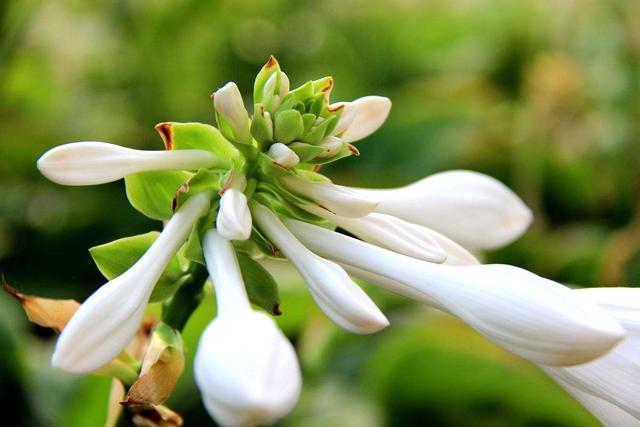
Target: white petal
x,y
106,322
616,376
533,317
362,117
388,232
89,163
234,219
283,155
338,296
228,103
246,370
471,208
331,145
338,199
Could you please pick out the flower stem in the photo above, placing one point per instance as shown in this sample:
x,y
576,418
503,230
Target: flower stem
x,y
177,311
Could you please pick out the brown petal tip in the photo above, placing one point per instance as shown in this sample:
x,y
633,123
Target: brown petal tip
x,y
165,130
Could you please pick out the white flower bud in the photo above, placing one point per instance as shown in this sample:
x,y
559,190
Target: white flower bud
x,y
106,322
89,163
338,296
234,219
338,199
471,208
535,318
362,117
228,103
331,145
283,155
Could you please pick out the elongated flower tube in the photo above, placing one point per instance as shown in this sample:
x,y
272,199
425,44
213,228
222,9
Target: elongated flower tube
x,y
614,378
234,219
89,163
535,318
106,322
245,367
362,117
607,413
336,198
228,103
388,232
471,208
338,296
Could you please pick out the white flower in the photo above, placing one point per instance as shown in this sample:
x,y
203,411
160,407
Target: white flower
x,y
106,322
338,199
234,219
245,368
89,163
338,296
535,318
614,378
228,103
362,117
283,155
471,208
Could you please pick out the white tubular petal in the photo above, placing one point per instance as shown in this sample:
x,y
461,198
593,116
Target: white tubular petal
x,y
338,296
89,163
234,219
338,199
228,103
471,208
615,377
362,117
456,254
246,370
106,322
535,318
388,232
283,155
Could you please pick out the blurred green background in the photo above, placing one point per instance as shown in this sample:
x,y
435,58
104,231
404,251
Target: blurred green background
x,y
543,95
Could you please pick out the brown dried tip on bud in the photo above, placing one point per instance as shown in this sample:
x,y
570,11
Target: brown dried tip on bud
x,y
166,133
316,168
335,108
276,310
272,62
45,312
154,416
353,150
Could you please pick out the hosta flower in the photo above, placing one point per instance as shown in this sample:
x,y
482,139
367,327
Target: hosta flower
x,y
250,188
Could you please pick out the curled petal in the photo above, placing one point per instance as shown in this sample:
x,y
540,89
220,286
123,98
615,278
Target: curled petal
x,y
283,155
89,163
338,296
338,199
535,318
362,117
106,322
234,219
471,208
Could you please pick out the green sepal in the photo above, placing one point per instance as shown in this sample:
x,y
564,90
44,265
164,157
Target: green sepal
x,y
300,93
317,104
323,85
152,193
261,287
114,258
279,204
319,131
311,176
309,120
305,151
346,151
288,126
271,168
261,125
249,151
267,70
203,180
192,249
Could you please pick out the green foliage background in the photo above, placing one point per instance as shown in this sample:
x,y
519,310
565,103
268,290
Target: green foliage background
x,y
543,95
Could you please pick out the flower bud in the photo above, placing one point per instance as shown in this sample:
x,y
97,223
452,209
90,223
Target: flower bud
x,y
283,155
339,200
362,117
89,163
234,219
288,126
473,209
231,114
261,125
331,146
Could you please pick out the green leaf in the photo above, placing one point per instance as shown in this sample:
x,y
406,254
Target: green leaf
x,y
261,286
152,192
114,258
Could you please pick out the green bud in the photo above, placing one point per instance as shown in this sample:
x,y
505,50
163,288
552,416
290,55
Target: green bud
x,y
318,132
288,126
262,125
267,70
305,151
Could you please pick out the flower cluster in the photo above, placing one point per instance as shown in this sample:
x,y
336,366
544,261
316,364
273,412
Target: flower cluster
x,y
251,188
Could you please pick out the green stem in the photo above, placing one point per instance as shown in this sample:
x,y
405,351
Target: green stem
x,y
177,311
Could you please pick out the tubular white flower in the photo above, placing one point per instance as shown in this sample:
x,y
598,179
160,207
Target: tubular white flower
x,y
234,219
89,163
388,232
471,208
614,378
228,103
338,296
106,322
607,413
535,318
362,117
283,155
336,198
245,368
